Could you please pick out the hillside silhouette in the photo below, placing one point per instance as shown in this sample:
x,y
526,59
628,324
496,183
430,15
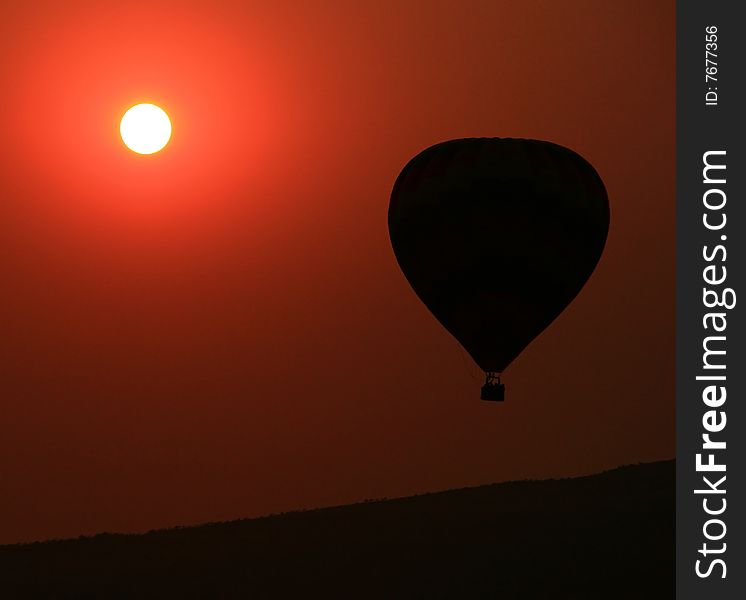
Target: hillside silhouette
x,y
609,535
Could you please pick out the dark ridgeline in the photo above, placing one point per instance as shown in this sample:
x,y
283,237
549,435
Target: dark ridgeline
x,y
598,537
496,237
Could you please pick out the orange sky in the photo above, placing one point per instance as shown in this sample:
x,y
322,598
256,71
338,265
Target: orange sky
x,y
221,330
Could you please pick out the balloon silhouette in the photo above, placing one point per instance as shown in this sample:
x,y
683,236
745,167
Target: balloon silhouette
x,y
496,237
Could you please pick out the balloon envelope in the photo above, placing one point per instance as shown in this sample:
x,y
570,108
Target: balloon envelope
x,y
496,237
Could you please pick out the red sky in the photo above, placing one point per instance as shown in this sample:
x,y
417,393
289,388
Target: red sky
x,y
221,330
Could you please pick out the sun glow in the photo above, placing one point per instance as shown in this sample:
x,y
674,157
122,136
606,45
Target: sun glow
x,y
145,128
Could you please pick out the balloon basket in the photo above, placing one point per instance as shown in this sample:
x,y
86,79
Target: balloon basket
x,y
493,390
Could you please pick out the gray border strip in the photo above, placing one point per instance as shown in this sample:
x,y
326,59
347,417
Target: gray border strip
x,y
702,128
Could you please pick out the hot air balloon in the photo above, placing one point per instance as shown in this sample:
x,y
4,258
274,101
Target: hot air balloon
x,y
497,236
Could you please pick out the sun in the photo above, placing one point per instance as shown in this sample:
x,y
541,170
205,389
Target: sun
x,y
145,128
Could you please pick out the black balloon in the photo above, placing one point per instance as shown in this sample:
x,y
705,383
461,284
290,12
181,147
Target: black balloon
x,y
496,237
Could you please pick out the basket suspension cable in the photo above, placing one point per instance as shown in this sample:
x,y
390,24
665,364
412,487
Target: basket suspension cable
x,y
493,378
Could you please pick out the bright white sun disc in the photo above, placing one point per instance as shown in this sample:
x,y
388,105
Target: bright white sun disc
x,y
145,128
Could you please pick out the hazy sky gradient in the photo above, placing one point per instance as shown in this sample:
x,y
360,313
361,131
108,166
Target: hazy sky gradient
x,y
222,330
